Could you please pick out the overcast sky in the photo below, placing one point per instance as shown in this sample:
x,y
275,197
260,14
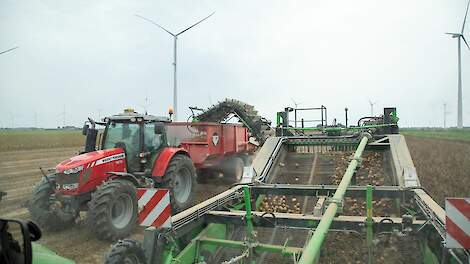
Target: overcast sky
x,y
96,57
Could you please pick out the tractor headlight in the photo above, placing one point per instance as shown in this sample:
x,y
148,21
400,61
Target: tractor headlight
x,y
73,170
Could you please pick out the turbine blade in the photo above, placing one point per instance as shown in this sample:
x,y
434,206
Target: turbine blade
x,y
5,51
195,24
465,18
155,23
454,35
464,40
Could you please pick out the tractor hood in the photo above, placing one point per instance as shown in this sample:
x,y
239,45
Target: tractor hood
x,y
78,163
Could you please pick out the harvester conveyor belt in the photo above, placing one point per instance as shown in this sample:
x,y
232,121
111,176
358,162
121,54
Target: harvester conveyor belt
x,y
307,221
194,213
265,158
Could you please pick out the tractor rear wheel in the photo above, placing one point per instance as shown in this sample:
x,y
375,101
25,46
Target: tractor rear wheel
x,y
126,251
40,208
113,209
180,178
233,170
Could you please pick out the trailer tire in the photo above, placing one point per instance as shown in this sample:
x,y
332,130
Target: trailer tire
x,y
206,175
248,159
126,251
40,210
180,179
113,210
233,170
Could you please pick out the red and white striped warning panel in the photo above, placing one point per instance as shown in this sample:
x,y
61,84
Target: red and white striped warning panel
x,y
154,207
458,223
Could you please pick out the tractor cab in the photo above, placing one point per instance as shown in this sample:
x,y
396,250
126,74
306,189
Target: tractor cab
x,y
140,136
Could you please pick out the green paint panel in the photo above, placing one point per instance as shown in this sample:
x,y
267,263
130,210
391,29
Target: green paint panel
x,y
43,255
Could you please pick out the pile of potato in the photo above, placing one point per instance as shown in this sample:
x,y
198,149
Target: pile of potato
x,y
280,204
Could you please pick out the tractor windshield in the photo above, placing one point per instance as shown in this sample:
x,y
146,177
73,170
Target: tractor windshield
x,y
122,134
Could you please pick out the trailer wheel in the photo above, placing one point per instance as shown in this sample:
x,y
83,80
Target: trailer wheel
x,y
180,178
233,170
126,251
113,209
206,175
39,208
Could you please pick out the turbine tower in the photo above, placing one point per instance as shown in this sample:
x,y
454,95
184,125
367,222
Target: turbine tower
x,y
175,37
372,107
460,37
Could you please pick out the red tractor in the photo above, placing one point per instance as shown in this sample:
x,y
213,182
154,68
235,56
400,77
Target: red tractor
x,y
136,150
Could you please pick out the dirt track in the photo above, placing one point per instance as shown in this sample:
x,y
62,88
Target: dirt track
x,y
19,172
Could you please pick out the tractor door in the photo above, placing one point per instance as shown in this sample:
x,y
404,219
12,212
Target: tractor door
x,y
154,141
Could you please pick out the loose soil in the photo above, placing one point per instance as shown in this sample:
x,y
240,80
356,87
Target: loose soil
x,y
443,166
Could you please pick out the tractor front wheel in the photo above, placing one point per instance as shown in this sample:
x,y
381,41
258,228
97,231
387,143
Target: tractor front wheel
x,y
180,179
113,210
126,251
40,208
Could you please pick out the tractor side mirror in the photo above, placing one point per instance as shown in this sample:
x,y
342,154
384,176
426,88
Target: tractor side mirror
x,y
85,129
159,128
17,248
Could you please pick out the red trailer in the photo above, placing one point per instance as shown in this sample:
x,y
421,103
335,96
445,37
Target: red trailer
x,y
209,144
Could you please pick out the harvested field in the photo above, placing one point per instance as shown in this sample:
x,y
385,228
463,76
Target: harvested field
x,y
442,166
454,134
39,139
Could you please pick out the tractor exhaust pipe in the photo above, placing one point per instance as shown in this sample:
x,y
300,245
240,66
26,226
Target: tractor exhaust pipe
x,y
91,134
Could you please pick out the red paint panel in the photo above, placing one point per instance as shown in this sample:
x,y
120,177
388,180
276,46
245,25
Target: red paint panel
x,y
197,152
163,159
100,173
140,192
457,233
86,158
462,205
203,140
161,219
96,173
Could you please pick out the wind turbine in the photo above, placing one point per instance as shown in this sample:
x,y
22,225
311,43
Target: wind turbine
x,y
175,37
460,36
445,114
295,103
8,50
372,107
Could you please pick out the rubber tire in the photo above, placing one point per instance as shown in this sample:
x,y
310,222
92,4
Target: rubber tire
x,y
248,159
99,213
233,170
177,162
124,249
206,176
39,210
